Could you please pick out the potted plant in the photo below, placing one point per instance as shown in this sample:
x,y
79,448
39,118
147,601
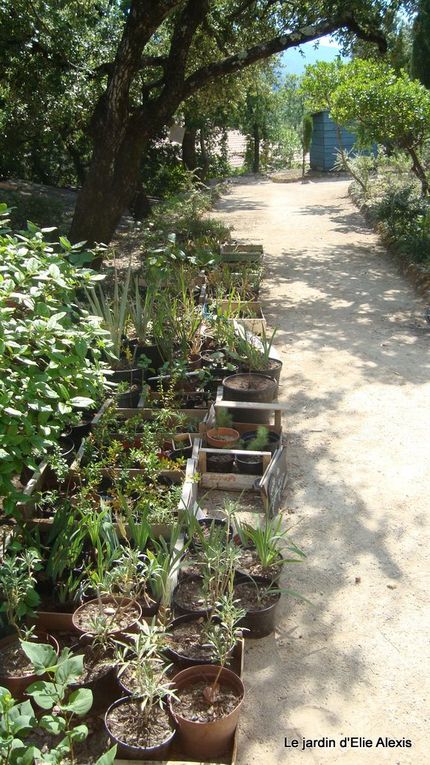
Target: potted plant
x,y
140,724
259,597
19,600
252,464
108,614
127,395
200,594
63,705
208,698
114,313
196,640
223,436
262,549
256,358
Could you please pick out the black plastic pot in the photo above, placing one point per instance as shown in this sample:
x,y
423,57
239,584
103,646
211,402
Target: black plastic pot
x,y
273,371
152,353
67,449
250,387
249,465
181,659
181,609
132,376
80,431
273,439
127,400
258,623
207,523
220,463
101,684
128,751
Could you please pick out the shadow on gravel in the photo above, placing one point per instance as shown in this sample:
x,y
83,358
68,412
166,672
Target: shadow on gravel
x,y
347,306
348,309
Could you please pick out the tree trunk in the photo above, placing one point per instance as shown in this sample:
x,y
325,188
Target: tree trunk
x,y
141,206
204,169
110,186
189,156
419,172
256,158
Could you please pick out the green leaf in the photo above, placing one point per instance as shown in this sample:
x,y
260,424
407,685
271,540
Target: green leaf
x,y
69,668
79,733
44,694
53,724
13,412
81,401
41,655
108,757
80,702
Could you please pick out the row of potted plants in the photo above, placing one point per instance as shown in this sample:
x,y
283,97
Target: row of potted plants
x,y
221,588
110,539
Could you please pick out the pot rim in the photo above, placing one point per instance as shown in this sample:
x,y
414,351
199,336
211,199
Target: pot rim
x,y
213,670
108,599
149,749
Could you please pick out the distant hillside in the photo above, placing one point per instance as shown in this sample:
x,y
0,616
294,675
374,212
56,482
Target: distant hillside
x,y
293,61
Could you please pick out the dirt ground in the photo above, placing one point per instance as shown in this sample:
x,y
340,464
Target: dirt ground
x,y
355,349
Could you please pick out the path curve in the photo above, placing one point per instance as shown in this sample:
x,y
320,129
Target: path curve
x,y
356,376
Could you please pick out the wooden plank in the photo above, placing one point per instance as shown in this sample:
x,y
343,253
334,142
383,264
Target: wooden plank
x,y
273,406
227,248
244,452
272,484
229,481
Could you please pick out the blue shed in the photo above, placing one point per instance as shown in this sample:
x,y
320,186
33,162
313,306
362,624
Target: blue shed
x,y
325,141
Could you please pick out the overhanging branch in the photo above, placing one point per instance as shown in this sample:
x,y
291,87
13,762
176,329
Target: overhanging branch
x,y
278,44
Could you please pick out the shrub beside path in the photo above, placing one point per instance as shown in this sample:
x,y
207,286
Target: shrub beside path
x,y
356,359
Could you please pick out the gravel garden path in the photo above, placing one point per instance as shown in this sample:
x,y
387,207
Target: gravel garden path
x,y
356,359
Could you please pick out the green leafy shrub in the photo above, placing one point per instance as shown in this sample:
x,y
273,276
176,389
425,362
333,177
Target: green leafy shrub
x,y
50,348
404,216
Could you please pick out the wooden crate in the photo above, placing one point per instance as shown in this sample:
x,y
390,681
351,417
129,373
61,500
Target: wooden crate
x,y
275,409
230,481
242,253
256,324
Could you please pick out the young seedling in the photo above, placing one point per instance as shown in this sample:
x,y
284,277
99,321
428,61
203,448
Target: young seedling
x,y
17,589
222,634
63,707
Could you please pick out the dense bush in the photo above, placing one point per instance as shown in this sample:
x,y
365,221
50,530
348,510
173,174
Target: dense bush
x,y
50,348
395,204
404,216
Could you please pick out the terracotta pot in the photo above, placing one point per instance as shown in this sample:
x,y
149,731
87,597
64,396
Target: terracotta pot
x,y
206,740
222,438
14,683
114,602
129,751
